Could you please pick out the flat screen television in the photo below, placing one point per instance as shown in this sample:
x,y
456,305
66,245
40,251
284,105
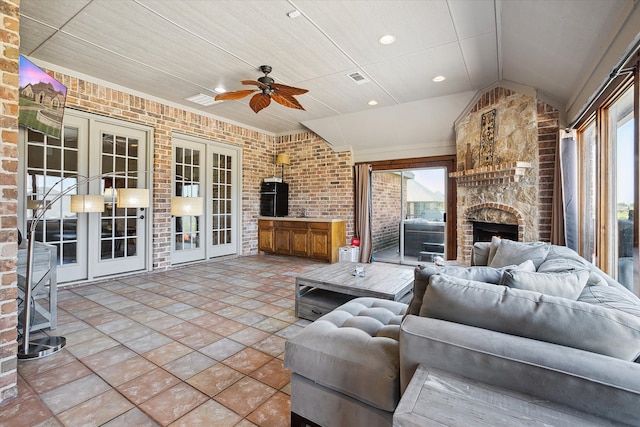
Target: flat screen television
x,y
42,99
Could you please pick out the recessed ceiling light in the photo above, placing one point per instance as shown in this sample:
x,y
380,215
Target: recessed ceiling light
x,y
293,14
438,79
219,90
373,102
203,99
387,39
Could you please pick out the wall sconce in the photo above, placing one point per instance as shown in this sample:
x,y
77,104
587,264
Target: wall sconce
x,y
186,206
281,160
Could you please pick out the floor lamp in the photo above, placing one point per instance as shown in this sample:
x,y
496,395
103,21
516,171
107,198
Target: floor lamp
x,y
125,198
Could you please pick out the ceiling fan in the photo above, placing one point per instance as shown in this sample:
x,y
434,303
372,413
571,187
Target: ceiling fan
x,y
268,89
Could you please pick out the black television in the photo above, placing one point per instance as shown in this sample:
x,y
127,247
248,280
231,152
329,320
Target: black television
x,y
42,99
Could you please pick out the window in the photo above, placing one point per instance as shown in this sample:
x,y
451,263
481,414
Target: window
x,y
609,180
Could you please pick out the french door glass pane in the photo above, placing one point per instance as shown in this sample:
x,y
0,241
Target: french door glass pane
x,y
118,231
221,214
52,168
588,175
621,136
187,184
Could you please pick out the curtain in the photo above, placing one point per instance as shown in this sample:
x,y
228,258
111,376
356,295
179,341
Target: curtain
x,y
363,210
565,195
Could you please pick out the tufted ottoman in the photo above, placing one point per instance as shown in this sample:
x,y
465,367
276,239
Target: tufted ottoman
x,y
346,369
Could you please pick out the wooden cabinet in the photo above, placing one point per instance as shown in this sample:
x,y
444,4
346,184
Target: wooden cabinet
x,y
302,237
266,236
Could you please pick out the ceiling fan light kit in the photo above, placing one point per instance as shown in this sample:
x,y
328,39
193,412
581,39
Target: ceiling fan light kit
x,y
267,90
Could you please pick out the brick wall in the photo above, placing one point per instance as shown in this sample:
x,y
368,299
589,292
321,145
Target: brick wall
x,y
386,209
9,56
257,156
320,180
548,134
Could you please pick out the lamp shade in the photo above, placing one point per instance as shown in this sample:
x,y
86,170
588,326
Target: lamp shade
x,y
87,203
186,206
34,204
132,198
283,159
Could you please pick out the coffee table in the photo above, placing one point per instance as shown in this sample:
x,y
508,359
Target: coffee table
x,y
436,398
324,289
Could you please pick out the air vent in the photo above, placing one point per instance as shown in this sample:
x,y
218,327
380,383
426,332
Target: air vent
x,y
358,78
203,99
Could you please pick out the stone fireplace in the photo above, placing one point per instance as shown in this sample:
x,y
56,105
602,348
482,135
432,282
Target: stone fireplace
x,y
505,175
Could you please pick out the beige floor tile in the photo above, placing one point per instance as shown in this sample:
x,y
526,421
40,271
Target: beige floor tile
x,y
96,411
204,415
213,380
244,396
173,403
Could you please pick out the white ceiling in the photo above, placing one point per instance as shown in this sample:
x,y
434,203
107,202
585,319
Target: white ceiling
x,y
174,49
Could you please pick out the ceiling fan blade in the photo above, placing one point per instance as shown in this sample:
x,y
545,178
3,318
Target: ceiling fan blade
x,y
255,82
259,101
289,89
286,100
228,96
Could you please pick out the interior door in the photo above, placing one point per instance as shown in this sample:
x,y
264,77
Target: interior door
x,y
209,170
89,245
189,167
122,232
224,211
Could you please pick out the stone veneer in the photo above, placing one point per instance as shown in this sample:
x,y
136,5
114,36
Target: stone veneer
x,y
9,59
526,130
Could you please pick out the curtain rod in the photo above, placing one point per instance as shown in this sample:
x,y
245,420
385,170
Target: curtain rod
x,y
617,71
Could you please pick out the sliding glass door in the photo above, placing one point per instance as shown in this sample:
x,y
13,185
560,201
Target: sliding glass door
x,y
409,215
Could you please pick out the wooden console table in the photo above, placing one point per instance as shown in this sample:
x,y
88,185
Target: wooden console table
x,y
45,285
438,398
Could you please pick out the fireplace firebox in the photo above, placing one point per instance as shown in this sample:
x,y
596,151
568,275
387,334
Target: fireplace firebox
x,y
484,231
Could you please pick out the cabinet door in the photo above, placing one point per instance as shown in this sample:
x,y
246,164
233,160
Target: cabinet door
x,y
283,241
319,244
265,239
299,238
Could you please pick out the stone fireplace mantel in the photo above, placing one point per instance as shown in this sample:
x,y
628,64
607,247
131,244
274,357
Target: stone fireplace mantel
x,y
491,175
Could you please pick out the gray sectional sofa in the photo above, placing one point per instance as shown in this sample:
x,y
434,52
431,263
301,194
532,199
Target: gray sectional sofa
x,y
535,318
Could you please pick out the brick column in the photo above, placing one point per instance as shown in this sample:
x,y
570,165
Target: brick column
x,y
9,59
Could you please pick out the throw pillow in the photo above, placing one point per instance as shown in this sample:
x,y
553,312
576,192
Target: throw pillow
x,y
480,253
533,315
612,298
510,252
567,284
422,275
495,242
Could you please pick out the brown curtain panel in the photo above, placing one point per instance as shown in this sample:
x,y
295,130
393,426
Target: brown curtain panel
x,y
363,210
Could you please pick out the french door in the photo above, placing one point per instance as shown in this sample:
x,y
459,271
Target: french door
x,y
209,170
89,245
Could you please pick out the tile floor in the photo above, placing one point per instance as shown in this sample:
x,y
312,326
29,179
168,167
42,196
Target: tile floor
x,y
196,346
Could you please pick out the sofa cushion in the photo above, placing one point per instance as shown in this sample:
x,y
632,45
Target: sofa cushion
x,y
353,350
533,315
423,273
612,298
567,284
510,252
